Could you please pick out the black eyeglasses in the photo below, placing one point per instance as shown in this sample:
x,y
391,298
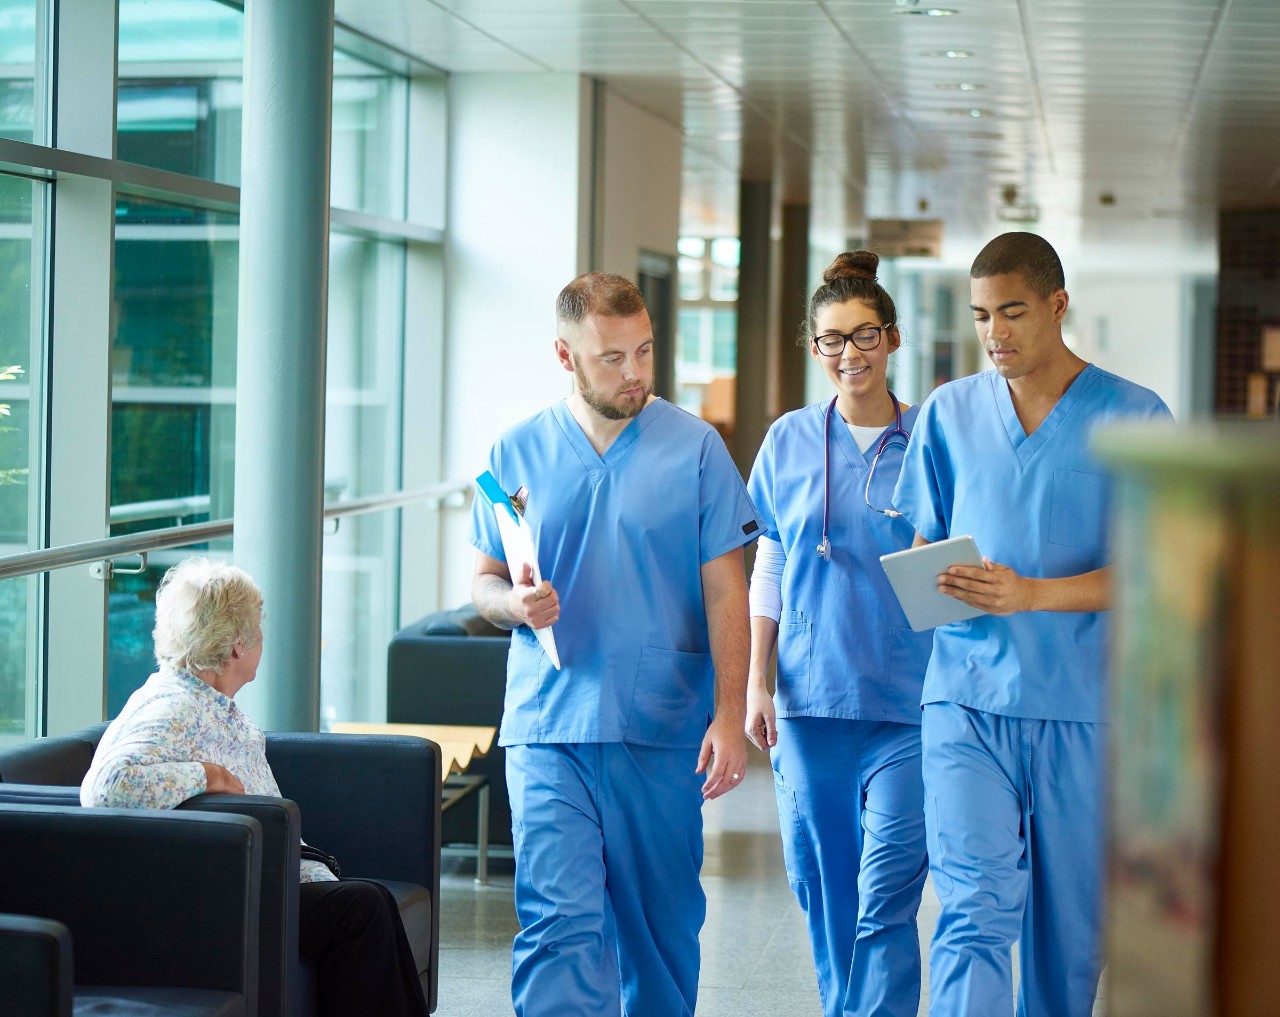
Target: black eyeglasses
x,y
831,344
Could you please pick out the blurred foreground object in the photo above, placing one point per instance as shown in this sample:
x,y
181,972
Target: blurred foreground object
x,y
1195,654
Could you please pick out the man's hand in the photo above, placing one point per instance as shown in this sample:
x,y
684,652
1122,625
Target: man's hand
x,y
723,756
221,781
762,720
997,589
535,606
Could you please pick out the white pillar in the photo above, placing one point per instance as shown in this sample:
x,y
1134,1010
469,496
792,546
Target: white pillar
x,y
280,372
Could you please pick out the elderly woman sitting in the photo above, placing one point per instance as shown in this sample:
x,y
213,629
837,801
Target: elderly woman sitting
x,y
181,735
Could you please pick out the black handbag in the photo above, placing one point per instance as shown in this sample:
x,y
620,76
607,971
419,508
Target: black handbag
x,y
314,854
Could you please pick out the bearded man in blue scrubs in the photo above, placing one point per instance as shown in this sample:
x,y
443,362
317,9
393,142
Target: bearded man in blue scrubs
x,y
1014,700
639,517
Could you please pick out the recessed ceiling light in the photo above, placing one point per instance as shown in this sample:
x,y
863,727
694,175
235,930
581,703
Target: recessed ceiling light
x,y
959,86
1018,213
929,12
949,54
974,113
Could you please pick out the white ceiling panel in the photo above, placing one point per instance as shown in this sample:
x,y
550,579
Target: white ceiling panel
x,y
1170,106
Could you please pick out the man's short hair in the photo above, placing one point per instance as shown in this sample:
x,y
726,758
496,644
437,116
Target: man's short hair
x,y
1027,254
203,608
597,293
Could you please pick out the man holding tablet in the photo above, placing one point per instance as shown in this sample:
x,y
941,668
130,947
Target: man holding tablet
x,y
1013,705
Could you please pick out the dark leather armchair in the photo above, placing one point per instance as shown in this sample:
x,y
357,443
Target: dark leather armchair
x,y
372,801
450,667
114,889
35,953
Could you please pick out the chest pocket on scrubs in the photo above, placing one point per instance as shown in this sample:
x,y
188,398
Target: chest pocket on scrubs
x,y
673,697
1078,510
795,656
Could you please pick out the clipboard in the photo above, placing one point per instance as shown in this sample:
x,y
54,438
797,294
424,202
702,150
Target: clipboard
x,y
517,545
913,574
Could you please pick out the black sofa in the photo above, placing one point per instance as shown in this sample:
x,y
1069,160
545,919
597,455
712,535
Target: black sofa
x,y
450,667
372,801
101,913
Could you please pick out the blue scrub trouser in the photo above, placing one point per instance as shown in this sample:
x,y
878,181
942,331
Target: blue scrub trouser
x,y
850,803
1014,814
608,845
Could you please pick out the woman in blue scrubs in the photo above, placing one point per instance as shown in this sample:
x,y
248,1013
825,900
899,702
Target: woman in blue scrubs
x,y
844,728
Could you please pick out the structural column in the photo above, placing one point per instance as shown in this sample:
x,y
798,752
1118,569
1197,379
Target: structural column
x,y
793,296
280,372
755,322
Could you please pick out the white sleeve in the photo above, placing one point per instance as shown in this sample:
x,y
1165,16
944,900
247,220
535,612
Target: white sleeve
x,y
766,579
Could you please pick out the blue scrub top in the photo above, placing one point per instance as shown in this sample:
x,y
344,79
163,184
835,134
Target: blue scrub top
x,y
622,538
844,646
1038,503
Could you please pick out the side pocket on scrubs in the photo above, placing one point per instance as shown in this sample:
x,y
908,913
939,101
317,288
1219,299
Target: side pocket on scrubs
x,y
795,651
1078,510
528,905
797,852
938,859
673,698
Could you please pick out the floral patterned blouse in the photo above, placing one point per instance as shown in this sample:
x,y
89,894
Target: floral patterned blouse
x,y
150,756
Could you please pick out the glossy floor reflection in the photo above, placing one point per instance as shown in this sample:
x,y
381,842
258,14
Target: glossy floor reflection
x,y
755,952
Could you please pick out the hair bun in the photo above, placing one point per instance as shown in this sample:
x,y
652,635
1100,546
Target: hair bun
x,y
852,264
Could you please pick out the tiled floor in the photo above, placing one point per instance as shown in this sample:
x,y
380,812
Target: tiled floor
x,y
755,952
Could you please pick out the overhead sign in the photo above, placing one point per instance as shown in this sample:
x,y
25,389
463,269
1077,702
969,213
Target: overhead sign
x,y
905,238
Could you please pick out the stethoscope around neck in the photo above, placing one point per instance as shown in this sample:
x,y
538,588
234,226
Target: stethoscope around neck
x,y
896,435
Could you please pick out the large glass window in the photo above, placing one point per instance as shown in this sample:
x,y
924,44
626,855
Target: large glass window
x,y
707,348
363,416
22,287
172,327
173,352
367,164
362,458
173,364
173,377
21,70
179,98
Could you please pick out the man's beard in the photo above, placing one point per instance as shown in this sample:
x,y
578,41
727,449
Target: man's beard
x,y
608,407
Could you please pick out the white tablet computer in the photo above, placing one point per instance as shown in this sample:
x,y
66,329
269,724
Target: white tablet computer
x,y
913,574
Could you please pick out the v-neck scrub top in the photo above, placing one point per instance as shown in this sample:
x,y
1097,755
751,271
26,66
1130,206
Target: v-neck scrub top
x,y
845,649
1038,503
622,537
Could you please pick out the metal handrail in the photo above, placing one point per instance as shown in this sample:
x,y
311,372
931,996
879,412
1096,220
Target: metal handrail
x,y
454,494
89,551
159,508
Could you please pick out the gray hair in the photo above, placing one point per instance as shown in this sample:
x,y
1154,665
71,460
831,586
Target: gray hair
x,y
203,608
